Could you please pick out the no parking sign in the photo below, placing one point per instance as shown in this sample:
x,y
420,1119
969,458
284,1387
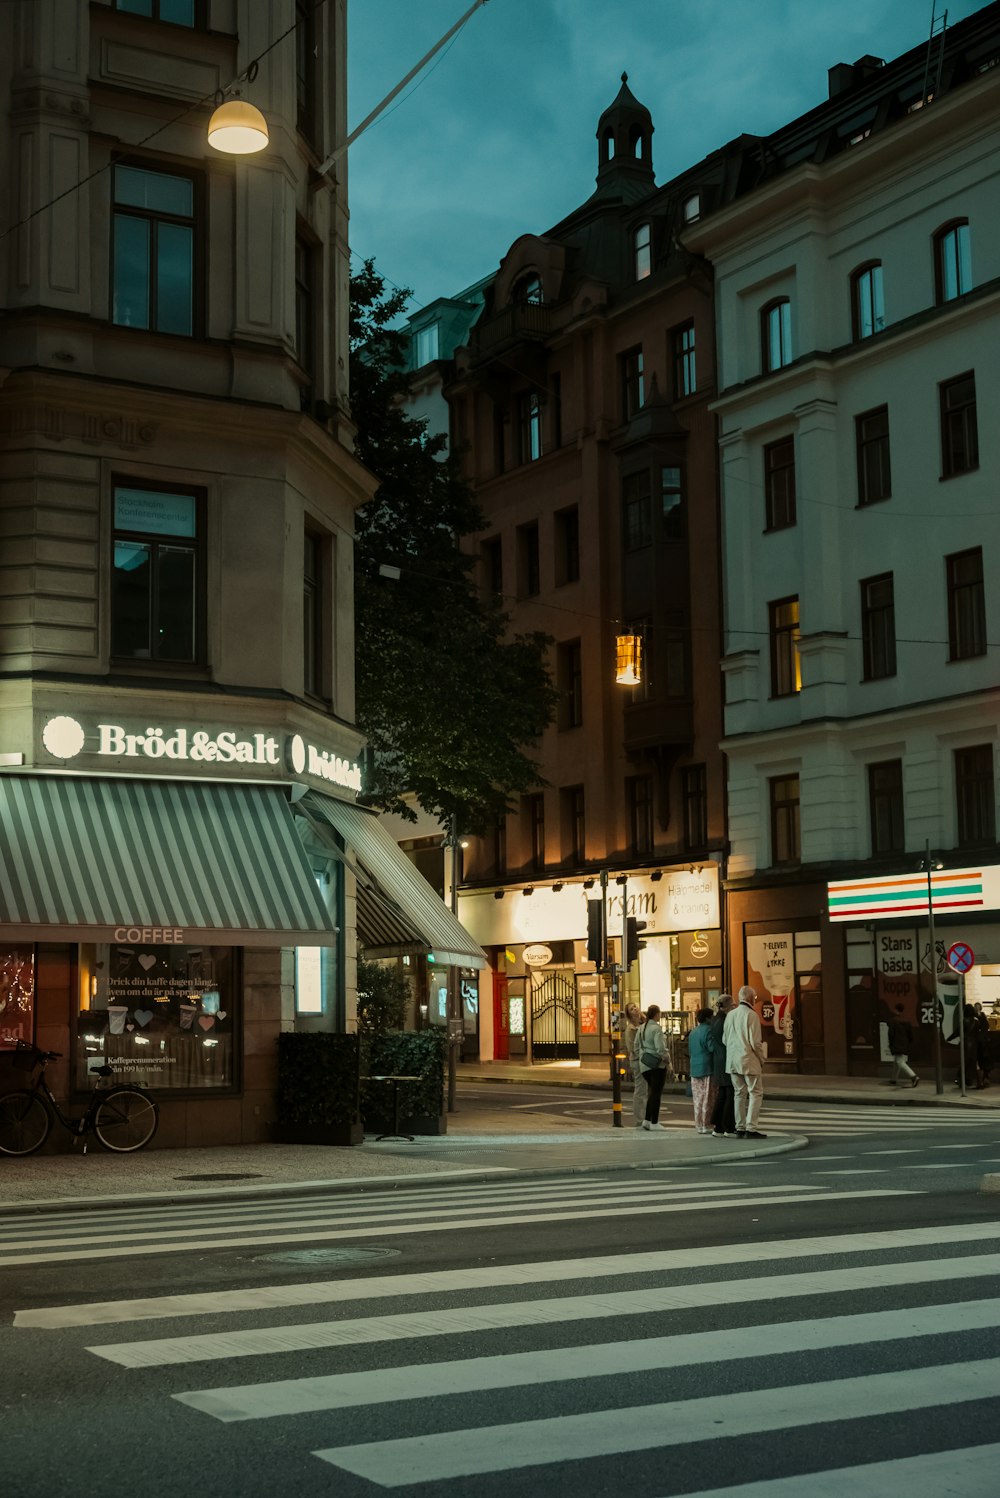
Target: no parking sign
x,y
960,957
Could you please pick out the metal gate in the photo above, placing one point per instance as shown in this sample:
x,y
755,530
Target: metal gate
x,y
553,1017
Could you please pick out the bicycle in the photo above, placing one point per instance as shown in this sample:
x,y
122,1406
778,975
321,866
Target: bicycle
x,y
122,1119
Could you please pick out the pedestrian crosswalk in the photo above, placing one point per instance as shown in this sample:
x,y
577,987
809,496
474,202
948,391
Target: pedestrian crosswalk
x,y
459,1207
843,1120
554,1371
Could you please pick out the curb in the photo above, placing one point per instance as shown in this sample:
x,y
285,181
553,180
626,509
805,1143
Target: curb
x,y
990,1183
476,1174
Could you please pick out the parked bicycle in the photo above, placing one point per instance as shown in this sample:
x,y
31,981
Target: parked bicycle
x,y
122,1118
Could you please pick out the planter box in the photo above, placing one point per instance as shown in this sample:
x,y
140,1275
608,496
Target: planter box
x,y
420,1123
339,1133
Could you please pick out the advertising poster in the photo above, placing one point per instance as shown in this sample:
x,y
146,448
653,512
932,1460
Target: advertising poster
x,y
17,995
586,989
771,971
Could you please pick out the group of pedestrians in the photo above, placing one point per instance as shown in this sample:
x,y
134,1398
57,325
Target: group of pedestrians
x,y
726,1067
976,1040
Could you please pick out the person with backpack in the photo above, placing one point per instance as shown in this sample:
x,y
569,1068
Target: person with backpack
x,y
651,1045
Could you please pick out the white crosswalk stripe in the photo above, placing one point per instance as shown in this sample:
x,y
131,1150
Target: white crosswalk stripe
x,y
61,1237
836,1120
565,1352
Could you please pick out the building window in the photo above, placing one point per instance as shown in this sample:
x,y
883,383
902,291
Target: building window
x,y
499,422
639,800
500,844
643,689
785,843
975,800
966,604
885,807
567,545
952,261
305,313
692,208
871,436
878,628
685,369
313,615
529,427
153,269
574,824
529,290
694,791
425,346
867,305
776,335
528,572
491,559
534,814
305,67
174,12
569,677
959,430
642,252
555,411
779,484
672,656
633,390
637,527
157,586
672,504
786,668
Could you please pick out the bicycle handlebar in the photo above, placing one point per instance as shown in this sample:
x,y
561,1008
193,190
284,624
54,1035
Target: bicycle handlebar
x,y
38,1054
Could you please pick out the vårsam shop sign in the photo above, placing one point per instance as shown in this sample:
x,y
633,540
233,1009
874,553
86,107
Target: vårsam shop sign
x,y
156,747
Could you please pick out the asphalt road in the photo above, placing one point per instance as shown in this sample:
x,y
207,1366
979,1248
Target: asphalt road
x,y
678,1331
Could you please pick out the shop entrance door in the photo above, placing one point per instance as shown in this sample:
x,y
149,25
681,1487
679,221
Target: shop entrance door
x,y
553,1017
501,1018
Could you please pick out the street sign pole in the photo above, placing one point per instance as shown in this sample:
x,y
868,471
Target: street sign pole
x,y
961,1032
938,1079
616,1021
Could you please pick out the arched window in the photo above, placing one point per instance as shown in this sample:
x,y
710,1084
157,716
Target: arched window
x,y
529,289
952,261
641,245
636,141
776,335
609,144
867,304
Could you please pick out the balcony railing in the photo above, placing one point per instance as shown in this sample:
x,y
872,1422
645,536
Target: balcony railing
x,y
528,320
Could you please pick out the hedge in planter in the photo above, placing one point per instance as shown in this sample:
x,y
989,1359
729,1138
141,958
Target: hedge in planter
x,y
318,1099
405,1053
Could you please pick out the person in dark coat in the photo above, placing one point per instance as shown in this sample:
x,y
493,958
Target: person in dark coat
x,y
900,1045
723,1118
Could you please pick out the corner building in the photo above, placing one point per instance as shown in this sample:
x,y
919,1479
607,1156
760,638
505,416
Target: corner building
x,y
178,756
583,401
857,314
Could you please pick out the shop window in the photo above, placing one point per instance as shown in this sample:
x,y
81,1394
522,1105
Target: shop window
x,y
642,252
685,365
17,996
776,335
885,807
867,304
528,570
871,435
785,837
966,604
309,984
569,675
672,504
779,484
162,1017
637,525
786,667
574,824
639,799
952,261
153,250
567,546
173,12
878,627
959,427
975,796
529,427
694,793
632,383
157,576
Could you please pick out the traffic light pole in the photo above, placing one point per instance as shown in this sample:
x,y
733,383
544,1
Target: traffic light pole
x,y
616,1017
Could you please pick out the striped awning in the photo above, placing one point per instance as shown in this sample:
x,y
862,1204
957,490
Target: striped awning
x,y
398,911
80,859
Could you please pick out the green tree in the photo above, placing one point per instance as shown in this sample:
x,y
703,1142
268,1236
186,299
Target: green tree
x,y
450,700
382,996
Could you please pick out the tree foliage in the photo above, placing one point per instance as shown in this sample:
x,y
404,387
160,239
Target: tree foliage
x,y
451,701
382,995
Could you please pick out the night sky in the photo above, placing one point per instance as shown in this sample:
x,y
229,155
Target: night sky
x,y
497,137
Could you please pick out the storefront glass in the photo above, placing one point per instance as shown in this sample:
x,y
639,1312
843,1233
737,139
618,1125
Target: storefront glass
x,y
17,995
161,1016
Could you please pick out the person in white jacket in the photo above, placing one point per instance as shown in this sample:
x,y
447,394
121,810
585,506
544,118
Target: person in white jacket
x,y
745,1062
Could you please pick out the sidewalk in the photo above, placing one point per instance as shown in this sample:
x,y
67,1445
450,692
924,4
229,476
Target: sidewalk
x,y
777,1087
489,1144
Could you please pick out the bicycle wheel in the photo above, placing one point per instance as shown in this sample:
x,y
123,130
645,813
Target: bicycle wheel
x,y
125,1119
25,1123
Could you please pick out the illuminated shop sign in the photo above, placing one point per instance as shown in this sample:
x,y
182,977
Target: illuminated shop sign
x,y
65,738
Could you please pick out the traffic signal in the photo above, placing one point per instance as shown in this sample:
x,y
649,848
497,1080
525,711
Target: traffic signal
x,y
633,946
597,934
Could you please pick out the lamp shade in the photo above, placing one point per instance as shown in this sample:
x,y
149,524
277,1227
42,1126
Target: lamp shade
x,y
237,128
628,660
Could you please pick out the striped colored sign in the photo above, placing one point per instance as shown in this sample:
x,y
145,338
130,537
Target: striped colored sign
x,y
906,895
